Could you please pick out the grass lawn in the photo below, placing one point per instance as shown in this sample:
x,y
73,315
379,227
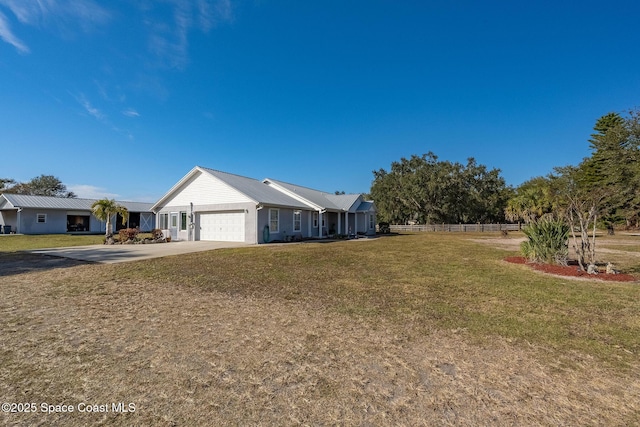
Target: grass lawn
x,y
424,329
20,242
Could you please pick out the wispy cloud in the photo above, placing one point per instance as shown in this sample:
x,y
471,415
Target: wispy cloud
x,y
84,13
103,118
131,113
7,35
170,41
89,108
86,191
110,92
64,15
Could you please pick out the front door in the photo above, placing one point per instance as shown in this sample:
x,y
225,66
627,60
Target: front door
x,y
173,225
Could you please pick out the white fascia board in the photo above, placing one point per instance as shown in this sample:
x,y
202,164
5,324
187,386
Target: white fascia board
x,y
356,204
6,203
293,195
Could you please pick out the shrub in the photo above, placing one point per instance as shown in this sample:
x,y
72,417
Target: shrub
x,y
548,241
127,234
156,233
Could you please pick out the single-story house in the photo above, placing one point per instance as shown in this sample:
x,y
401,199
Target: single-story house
x,y
208,204
55,215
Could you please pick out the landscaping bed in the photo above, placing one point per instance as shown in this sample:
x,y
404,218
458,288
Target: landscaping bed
x,y
571,270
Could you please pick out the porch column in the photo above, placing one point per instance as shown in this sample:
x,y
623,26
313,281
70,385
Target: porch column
x,y
355,232
320,224
346,223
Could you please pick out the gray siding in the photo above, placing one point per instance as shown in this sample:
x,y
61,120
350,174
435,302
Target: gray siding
x,y
56,222
96,226
285,223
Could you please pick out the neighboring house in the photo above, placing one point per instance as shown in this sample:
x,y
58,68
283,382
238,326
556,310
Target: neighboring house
x,y
207,204
53,215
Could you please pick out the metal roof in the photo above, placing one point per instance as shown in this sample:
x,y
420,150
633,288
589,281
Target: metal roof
x,y
45,202
272,192
255,190
365,206
342,202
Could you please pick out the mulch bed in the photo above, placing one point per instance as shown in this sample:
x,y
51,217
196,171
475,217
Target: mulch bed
x,y
571,270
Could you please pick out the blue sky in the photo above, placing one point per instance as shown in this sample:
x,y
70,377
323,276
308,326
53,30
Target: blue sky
x,y
122,98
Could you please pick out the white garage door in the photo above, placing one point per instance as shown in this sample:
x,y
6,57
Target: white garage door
x,y
222,226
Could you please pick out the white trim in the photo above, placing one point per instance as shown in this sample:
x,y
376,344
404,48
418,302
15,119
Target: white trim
x,y
192,173
43,216
346,223
292,194
186,221
159,222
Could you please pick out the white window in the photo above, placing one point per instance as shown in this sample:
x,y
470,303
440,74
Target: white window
x,y
183,221
315,220
164,221
372,222
174,220
297,220
41,218
274,220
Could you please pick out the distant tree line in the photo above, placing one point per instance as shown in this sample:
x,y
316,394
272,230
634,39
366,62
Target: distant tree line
x,y
43,185
426,190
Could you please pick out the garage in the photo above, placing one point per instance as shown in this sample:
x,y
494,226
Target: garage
x,y
222,226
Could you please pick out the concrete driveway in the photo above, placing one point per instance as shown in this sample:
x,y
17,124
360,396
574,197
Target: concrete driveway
x,y
111,254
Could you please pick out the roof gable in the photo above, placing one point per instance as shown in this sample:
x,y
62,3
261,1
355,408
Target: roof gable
x,y
250,189
317,198
256,190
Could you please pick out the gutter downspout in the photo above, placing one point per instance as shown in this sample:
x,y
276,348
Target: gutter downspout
x,y
192,225
18,221
259,207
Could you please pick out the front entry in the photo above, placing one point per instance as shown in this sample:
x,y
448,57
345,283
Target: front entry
x,y
173,225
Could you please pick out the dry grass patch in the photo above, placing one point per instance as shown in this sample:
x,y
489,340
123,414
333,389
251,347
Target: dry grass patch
x,y
410,330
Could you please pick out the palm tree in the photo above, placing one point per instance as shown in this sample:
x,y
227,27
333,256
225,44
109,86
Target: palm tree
x,y
104,209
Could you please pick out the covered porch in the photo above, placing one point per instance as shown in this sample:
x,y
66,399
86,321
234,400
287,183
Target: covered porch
x,y
350,224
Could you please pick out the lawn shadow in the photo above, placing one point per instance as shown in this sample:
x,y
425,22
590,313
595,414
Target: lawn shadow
x,y
19,262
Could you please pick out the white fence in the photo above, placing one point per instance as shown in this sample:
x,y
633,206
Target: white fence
x,y
476,228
